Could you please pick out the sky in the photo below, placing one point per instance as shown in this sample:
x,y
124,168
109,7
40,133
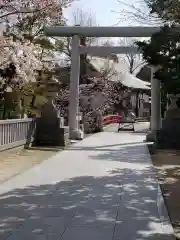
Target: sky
x,y
104,10
101,8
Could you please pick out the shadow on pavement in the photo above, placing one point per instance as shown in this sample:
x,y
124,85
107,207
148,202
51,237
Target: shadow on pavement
x,y
136,153
110,148
120,205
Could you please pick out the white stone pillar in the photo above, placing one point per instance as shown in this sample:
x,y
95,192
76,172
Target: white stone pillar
x,y
155,102
74,129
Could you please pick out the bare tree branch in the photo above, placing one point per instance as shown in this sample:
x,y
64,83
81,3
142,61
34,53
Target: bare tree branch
x,y
23,12
82,18
132,13
134,61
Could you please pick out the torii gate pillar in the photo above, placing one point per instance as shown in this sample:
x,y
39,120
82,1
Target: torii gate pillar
x,y
155,101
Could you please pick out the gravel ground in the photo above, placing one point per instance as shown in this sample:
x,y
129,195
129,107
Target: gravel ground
x,y
15,161
167,164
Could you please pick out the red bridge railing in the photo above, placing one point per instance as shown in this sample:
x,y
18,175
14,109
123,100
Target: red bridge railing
x,y
111,119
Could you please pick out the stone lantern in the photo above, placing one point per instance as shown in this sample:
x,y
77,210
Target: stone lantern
x,y
50,129
173,110
169,135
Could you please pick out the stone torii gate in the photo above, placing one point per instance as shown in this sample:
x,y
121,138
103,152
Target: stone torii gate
x,y
76,32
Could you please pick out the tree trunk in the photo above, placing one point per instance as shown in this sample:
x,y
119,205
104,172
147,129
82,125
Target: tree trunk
x,y
137,104
82,62
4,112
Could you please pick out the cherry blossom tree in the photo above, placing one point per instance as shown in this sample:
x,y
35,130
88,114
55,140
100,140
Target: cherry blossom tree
x,y
19,8
24,50
108,97
22,41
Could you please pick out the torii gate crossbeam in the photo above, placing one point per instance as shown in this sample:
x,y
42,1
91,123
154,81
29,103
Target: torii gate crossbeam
x,y
76,32
61,31
107,50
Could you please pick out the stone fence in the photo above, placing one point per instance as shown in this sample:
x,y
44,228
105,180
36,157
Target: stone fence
x,y
16,132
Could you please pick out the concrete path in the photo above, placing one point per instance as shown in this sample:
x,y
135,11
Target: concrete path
x,y
102,188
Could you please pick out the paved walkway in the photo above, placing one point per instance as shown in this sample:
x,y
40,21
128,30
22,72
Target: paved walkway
x,y
102,188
